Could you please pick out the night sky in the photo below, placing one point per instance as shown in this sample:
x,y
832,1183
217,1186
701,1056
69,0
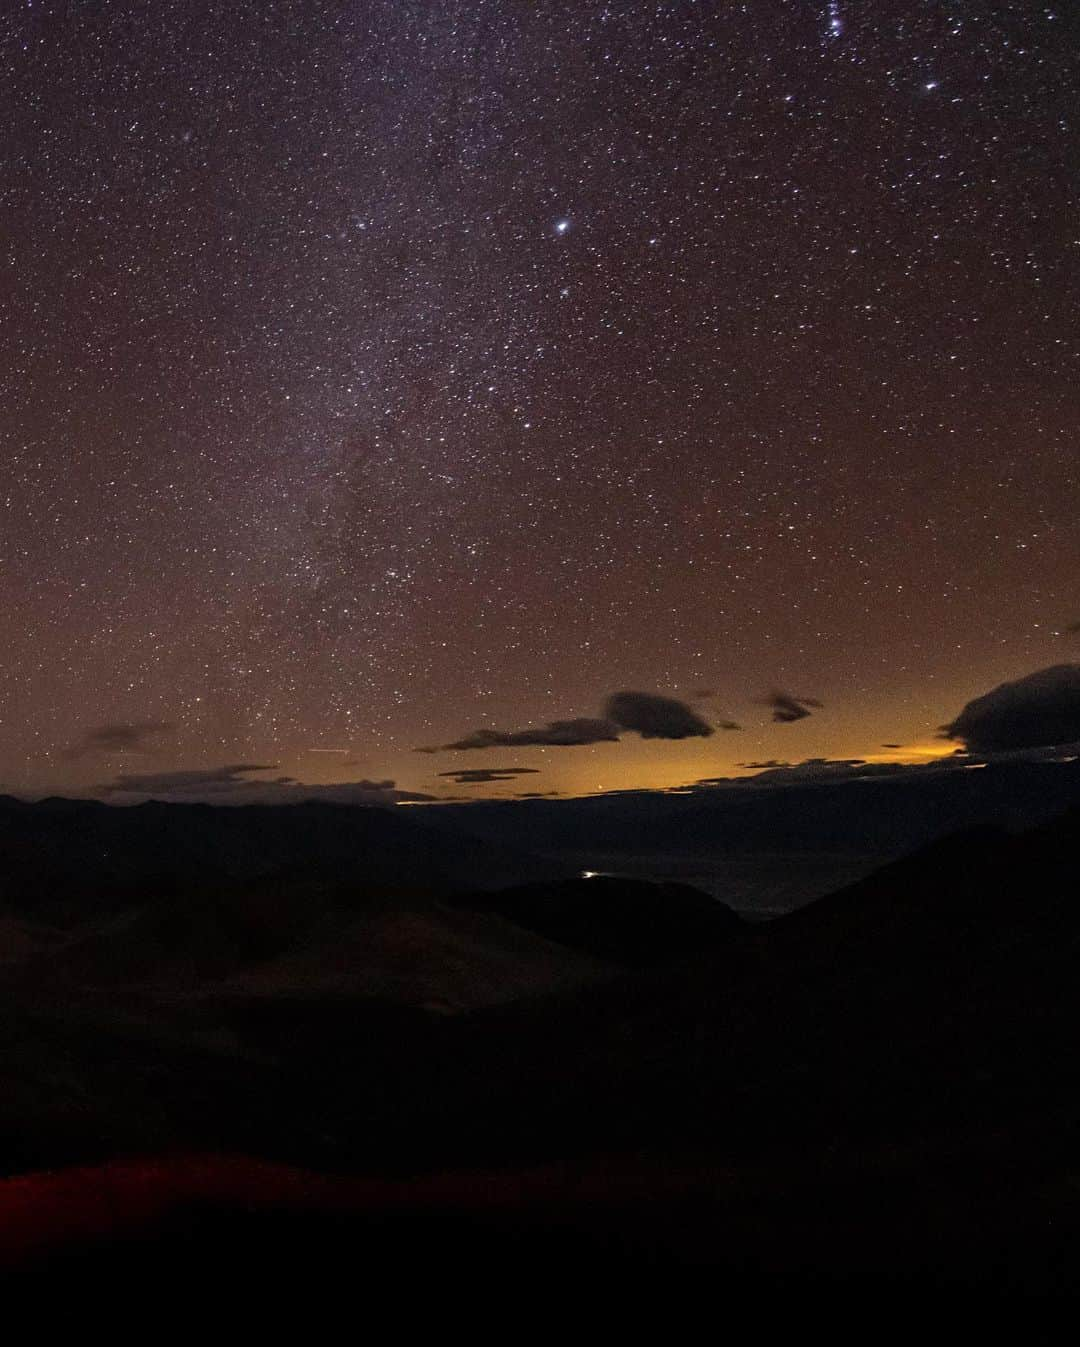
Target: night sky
x,y
380,371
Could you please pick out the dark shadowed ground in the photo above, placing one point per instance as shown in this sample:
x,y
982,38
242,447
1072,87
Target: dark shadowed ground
x,y
211,1050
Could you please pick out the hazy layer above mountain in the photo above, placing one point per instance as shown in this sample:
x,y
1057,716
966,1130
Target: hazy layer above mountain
x,y
883,816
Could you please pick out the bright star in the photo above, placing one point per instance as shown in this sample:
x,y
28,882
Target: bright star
x,y
561,226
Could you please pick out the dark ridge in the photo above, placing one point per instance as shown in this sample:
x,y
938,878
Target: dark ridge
x,y
63,859
882,816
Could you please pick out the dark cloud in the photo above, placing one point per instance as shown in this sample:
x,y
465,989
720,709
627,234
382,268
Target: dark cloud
x,y
820,769
892,745
786,708
212,779
1038,711
232,784
138,736
1073,628
774,774
480,776
728,725
655,717
644,713
556,734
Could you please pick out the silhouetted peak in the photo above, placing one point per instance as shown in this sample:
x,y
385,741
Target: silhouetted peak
x,y
625,920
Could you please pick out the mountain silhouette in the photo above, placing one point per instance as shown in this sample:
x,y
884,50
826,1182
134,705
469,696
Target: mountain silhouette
x,y
624,921
885,1079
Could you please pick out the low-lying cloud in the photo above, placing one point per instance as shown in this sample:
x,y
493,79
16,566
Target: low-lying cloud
x,y
210,780
556,734
1039,711
234,784
482,776
773,774
819,769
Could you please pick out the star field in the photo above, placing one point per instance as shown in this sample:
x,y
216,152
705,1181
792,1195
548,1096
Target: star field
x,y
376,371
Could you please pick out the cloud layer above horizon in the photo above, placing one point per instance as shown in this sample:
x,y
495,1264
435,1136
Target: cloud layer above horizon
x,y
234,784
1038,714
1038,711
644,713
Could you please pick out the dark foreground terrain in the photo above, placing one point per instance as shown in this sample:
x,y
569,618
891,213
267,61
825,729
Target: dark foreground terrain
x,y
217,1059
